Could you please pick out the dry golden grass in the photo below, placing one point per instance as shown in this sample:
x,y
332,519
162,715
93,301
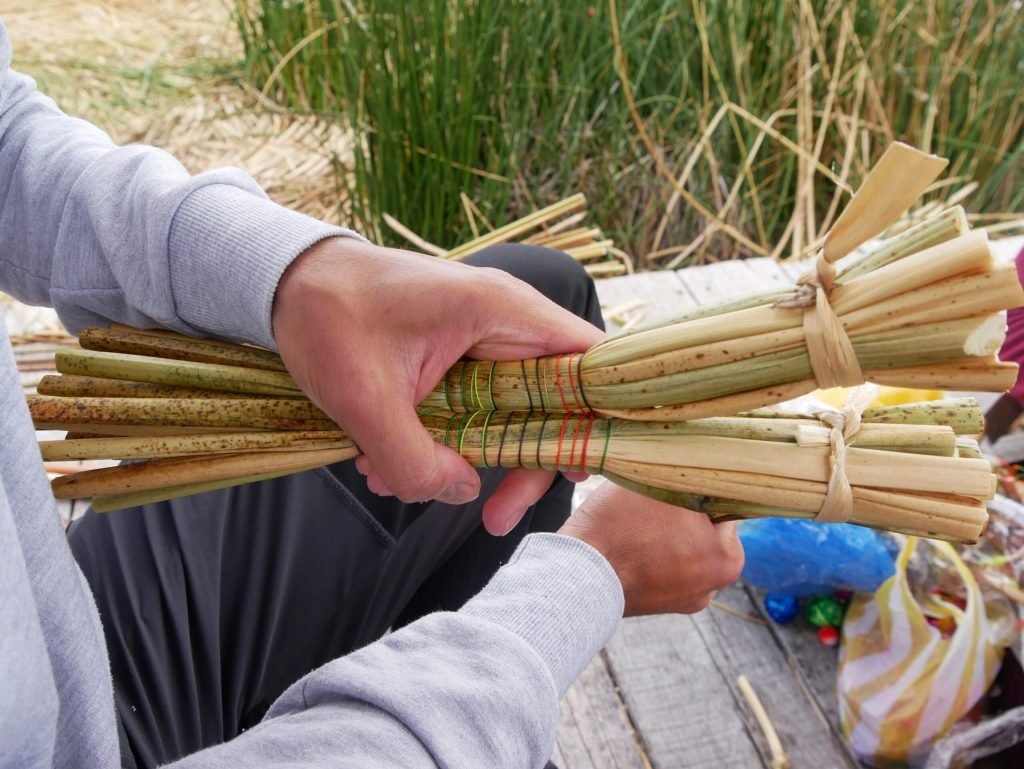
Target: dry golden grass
x,y
165,72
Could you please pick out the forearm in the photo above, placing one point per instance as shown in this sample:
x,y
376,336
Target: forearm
x,y
475,688
103,232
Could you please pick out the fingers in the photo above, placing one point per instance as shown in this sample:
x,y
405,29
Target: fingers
x,y
403,460
520,322
668,559
364,334
518,491
732,555
575,477
721,551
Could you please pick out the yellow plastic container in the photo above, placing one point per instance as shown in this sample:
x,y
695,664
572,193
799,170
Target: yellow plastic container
x,y
887,396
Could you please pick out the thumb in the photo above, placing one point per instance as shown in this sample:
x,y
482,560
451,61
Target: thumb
x,y
528,325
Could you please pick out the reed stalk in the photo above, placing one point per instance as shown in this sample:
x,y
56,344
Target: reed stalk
x,y
69,385
152,446
220,413
106,503
177,373
520,226
179,471
909,470
179,347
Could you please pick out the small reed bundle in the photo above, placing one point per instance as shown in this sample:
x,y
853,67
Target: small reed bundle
x,y
922,310
905,467
558,226
34,351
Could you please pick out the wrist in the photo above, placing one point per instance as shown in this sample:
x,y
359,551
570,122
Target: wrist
x,y
227,250
606,546
306,272
560,596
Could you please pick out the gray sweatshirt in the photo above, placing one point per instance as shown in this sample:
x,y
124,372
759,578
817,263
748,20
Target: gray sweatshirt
x,y
125,234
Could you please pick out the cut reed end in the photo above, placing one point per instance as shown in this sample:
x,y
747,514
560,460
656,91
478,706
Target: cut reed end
x,y
988,337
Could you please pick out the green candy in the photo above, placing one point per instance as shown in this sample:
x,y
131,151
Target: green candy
x,y
824,611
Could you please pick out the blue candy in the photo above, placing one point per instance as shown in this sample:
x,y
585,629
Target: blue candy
x,y
782,608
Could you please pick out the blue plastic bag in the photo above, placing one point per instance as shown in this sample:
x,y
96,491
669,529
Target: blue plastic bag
x,y
801,557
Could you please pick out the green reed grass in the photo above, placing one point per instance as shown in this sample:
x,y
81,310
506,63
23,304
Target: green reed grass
x,y
519,103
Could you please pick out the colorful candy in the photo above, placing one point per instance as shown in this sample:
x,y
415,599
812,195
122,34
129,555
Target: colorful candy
x,y
781,608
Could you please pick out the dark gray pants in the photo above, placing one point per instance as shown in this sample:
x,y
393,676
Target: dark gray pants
x,y
213,604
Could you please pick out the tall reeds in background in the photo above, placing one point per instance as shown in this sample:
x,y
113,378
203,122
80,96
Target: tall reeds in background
x,y
696,128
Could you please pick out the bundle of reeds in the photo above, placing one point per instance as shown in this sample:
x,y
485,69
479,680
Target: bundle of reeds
x,y
924,309
559,226
905,467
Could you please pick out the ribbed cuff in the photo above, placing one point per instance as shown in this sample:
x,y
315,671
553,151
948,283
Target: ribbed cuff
x,y
228,249
559,595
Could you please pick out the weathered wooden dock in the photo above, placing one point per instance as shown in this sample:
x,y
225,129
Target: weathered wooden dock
x,y
663,693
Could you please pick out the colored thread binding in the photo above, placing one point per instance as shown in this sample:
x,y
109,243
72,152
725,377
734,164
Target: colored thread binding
x,y
581,427
504,435
558,383
526,384
607,442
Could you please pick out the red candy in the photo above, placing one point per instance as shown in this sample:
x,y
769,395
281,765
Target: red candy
x,y
828,636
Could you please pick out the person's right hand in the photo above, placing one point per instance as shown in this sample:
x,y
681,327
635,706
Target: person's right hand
x,y
368,331
668,559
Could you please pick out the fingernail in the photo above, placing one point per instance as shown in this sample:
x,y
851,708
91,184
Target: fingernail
x,y
511,522
460,493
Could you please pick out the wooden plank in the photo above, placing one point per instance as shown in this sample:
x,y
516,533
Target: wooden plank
x,y
818,663
674,689
662,294
710,283
677,676
815,666
794,269
595,732
794,708
768,273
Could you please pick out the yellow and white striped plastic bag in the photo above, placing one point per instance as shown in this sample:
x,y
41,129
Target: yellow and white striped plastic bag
x,y
901,684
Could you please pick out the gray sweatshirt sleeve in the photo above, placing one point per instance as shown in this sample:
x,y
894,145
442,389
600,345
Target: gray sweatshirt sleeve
x,y
104,233
477,688
124,233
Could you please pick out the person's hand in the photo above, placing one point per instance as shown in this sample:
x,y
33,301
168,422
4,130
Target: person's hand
x,y
668,559
368,331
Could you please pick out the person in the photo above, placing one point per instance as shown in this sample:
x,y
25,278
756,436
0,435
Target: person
x,y
1008,407
124,234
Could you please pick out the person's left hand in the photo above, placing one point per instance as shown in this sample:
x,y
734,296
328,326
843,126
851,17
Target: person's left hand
x,y
368,331
668,559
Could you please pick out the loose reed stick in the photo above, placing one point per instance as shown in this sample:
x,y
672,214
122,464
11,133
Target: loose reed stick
x,y
221,413
179,347
150,446
178,471
176,373
779,758
516,228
